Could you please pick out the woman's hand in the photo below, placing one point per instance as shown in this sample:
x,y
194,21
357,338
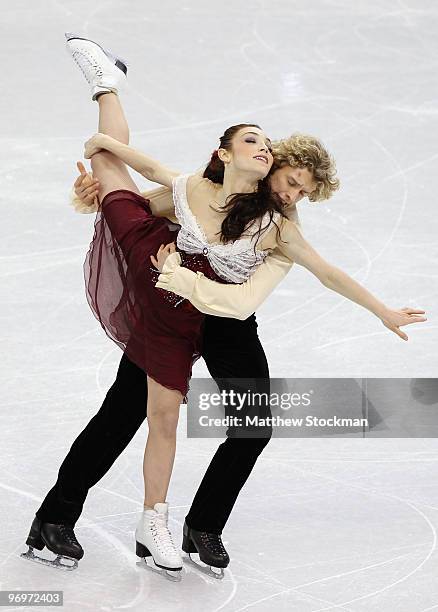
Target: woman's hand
x,y
394,319
94,145
86,187
162,255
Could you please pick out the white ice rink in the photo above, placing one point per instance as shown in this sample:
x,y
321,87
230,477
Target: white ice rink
x,y
322,524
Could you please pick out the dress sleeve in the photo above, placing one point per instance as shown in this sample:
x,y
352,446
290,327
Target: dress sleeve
x,y
224,300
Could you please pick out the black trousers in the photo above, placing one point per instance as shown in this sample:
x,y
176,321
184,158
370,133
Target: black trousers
x,y
231,349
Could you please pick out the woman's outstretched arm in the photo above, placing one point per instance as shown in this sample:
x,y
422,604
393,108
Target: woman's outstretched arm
x,y
138,161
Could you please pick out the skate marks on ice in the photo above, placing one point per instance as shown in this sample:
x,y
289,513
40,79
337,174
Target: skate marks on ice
x,y
374,575
339,55
317,577
87,582
107,559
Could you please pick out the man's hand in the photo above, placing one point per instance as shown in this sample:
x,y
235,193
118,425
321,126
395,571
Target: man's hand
x,y
86,187
162,255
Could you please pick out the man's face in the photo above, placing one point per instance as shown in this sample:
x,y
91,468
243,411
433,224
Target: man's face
x,y
292,184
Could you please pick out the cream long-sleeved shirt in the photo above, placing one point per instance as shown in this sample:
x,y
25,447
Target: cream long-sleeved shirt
x,y
238,301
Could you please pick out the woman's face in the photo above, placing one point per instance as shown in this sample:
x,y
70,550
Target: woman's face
x,y
292,184
250,153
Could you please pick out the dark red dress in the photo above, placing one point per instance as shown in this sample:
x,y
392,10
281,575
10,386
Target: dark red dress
x,y
158,330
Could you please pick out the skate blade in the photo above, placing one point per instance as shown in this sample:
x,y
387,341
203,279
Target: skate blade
x,y
172,576
56,563
217,572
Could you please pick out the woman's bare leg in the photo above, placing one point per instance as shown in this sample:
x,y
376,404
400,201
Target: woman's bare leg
x,y
112,120
163,404
112,173
162,413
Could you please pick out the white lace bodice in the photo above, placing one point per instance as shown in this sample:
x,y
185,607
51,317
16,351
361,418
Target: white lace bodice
x,y
235,261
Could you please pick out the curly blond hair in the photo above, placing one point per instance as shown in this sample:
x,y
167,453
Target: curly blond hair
x,y
304,151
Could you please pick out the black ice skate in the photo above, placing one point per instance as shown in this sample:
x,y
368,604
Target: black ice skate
x,y
210,548
59,539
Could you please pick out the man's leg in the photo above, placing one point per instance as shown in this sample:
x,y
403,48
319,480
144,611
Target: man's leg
x,y
232,349
98,446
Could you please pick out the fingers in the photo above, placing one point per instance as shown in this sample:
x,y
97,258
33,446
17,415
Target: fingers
x,y
78,181
88,193
415,319
413,310
162,253
93,188
84,178
91,199
88,180
86,186
411,318
80,166
167,247
399,332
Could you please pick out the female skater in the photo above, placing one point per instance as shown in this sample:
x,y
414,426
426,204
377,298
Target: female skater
x,y
158,332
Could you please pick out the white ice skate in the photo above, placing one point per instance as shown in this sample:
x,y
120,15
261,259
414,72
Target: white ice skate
x,y
103,70
153,539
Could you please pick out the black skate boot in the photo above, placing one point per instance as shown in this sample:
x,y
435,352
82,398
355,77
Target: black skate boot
x,y
59,539
210,548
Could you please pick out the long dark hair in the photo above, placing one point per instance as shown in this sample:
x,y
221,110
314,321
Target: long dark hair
x,y
243,207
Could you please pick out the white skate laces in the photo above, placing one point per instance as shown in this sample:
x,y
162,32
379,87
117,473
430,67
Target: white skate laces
x,y
88,65
102,70
153,538
161,534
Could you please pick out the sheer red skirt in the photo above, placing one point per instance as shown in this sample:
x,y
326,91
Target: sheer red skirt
x,y
159,331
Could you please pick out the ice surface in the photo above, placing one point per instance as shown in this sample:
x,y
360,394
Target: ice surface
x,y
322,524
